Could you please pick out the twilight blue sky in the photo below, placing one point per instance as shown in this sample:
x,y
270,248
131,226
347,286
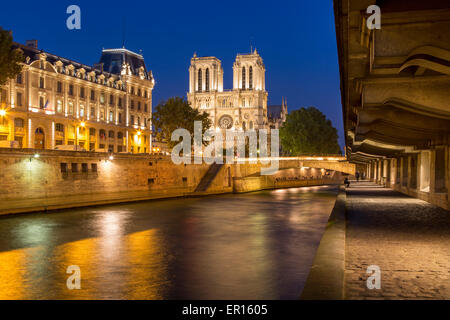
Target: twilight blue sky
x,y
296,39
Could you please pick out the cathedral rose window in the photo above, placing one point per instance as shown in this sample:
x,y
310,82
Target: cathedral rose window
x,y
225,122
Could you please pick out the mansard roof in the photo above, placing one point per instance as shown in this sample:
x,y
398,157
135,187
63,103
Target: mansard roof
x,y
135,61
113,59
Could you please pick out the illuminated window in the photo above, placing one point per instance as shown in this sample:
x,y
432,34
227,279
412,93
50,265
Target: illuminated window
x,y
59,106
102,98
71,107
111,116
81,111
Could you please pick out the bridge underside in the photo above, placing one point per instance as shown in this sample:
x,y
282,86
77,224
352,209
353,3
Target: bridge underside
x,y
395,85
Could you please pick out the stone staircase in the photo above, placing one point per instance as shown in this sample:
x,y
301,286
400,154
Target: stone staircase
x,y
208,178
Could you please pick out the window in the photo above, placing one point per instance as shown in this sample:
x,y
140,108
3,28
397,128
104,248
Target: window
x,y
41,83
59,127
111,99
139,106
70,108
92,95
59,107
84,167
74,167
94,167
111,134
146,94
63,167
199,88
243,78
120,118
111,116
102,98
59,86
92,131
132,105
207,79
102,114
146,108
111,148
250,78
81,111
41,102
71,89
19,78
18,122
120,135
92,112
82,92
132,120
19,99
102,134
139,121
139,92
120,103
151,181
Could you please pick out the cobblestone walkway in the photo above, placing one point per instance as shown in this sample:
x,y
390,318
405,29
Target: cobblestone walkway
x,y
407,238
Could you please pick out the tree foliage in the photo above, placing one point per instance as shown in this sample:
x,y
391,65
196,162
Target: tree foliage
x,y
308,132
176,113
10,58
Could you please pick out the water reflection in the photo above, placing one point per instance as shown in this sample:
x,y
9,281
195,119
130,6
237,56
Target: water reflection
x,y
251,246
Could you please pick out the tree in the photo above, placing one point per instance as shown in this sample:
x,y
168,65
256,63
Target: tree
x,y
308,132
176,113
10,58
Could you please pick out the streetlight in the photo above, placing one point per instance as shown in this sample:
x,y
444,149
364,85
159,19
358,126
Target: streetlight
x,y
82,124
2,113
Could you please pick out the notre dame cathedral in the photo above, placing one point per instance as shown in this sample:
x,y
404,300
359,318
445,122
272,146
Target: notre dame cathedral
x,y
245,106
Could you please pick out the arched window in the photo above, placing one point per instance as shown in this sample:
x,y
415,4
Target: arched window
x,y
199,88
120,135
207,79
243,78
111,134
250,78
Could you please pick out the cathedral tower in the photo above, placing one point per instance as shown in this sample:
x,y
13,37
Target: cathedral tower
x,y
205,74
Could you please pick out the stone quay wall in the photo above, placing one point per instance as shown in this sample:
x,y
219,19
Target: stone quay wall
x,y
37,180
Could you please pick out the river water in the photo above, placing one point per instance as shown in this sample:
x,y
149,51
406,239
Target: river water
x,y
240,246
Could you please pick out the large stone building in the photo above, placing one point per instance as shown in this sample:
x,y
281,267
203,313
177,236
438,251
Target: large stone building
x,y
56,103
395,85
243,107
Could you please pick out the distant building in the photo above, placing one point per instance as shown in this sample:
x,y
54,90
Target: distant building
x,y
245,106
55,103
276,115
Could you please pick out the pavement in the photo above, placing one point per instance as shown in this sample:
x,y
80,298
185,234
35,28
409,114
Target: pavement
x,y
407,238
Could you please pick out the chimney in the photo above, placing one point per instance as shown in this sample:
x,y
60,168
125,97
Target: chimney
x,y
32,43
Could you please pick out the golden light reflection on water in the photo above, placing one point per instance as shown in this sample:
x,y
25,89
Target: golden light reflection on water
x,y
13,273
147,268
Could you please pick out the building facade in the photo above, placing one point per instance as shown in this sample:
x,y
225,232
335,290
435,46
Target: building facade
x,y
55,103
243,107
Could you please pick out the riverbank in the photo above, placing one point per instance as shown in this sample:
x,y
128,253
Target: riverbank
x,y
405,237
42,180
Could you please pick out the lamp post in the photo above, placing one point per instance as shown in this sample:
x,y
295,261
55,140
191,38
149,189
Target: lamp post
x,y
82,124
